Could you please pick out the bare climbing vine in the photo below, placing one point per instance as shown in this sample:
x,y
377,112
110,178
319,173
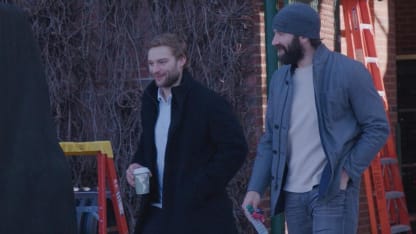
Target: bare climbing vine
x,y
94,56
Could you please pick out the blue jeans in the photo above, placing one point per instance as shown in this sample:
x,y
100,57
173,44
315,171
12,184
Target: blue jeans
x,y
305,214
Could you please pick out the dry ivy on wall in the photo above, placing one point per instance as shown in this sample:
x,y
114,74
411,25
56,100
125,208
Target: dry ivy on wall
x,y
94,55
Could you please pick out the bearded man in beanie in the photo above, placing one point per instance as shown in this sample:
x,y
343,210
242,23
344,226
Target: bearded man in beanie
x,y
325,122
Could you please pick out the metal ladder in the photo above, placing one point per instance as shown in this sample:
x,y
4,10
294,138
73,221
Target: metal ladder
x,y
106,173
384,188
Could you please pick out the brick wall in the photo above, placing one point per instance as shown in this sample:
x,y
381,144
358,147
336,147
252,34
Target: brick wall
x,y
256,83
405,28
256,86
326,11
384,23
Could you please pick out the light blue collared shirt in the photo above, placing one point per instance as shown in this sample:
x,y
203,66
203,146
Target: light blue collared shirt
x,y
161,138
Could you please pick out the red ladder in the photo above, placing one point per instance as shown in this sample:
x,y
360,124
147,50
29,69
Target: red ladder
x,y
106,170
384,188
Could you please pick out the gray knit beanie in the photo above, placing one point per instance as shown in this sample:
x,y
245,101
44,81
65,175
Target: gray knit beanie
x,y
298,19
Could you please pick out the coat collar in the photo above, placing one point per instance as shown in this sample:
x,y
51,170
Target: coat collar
x,y
179,96
321,53
179,92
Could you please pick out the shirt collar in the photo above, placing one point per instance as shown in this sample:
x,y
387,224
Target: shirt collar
x,y
160,97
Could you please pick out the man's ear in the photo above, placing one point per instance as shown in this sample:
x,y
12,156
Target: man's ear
x,y
305,41
182,60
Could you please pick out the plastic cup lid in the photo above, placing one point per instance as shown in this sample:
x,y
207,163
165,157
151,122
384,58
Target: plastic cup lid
x,y
141,170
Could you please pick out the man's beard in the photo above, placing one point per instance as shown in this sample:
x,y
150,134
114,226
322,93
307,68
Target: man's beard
x,y
293,53
171,79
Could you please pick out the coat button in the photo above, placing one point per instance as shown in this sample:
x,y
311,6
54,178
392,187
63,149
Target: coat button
x,y
276,126
274,151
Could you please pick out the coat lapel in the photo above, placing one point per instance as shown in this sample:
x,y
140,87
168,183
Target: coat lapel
x,y
179,94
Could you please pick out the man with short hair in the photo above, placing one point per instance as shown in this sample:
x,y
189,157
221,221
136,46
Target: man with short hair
x,y
193,145
325,123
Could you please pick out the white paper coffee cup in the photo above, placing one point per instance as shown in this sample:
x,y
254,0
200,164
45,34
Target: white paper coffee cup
x,y
141,180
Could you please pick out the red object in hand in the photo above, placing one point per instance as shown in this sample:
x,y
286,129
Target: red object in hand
x,y
258,216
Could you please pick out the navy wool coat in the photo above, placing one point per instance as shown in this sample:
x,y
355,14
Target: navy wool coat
x,y
205,148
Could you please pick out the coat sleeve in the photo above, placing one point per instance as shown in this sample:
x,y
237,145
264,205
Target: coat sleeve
x,y
371,116
227,137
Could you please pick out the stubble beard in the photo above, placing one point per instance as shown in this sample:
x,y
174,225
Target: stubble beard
x,y
171,79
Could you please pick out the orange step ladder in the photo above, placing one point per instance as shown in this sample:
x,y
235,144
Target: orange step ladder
x,y
106,176
384,189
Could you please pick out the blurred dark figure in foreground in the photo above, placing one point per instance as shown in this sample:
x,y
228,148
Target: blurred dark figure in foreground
x,y
36,194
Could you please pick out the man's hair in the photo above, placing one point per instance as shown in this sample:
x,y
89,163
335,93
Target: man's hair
x,y
171,40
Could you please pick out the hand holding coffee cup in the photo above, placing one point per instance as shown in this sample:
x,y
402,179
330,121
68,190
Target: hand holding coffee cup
x,y
141,180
